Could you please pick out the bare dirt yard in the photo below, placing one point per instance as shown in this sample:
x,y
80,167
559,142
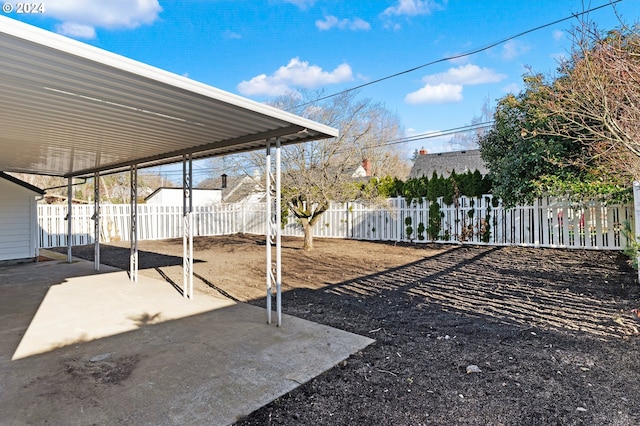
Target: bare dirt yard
x,y
464,334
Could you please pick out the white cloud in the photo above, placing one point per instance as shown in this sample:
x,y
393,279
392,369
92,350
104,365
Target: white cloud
x,y
412,8
465,74
80,18
447,86
230,35
436,94
512,49
295,74
331,21
76,30
558,35
301,4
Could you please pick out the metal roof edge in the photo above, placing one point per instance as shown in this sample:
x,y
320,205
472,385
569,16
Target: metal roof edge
x,y
22,183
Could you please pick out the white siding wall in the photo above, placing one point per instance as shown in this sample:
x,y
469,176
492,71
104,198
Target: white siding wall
x,y
18,222
173,197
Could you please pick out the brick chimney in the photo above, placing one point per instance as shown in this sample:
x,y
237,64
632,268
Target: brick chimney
x,y
423,151
366,165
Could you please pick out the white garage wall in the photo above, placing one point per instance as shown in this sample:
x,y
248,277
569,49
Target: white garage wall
x,y
18,222
173,197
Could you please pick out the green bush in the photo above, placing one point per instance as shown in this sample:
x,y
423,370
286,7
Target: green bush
x,y
435,221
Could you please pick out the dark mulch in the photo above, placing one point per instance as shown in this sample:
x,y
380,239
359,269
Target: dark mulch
x,y
552,332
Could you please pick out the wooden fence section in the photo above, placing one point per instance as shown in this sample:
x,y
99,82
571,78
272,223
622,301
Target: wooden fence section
x,y
549,222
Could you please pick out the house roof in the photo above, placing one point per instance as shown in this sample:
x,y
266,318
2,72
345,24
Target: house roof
x,y
238,188
70,109
21,183
446,162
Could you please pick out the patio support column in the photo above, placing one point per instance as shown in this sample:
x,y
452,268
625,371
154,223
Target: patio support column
x,y
274,231
278,229
69,216
268,197
96,220
187,229
133,259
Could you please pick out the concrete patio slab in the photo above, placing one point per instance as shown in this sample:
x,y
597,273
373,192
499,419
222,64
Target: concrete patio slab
x,y
80,347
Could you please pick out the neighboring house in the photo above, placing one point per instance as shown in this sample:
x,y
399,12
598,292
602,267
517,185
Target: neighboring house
x,y
173,196
363,170
18,220
238,189
250,189
445,162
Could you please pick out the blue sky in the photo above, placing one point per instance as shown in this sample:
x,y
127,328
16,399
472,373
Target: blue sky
x,y
260,49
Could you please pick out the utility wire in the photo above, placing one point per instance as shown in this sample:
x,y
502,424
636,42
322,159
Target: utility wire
x,y
461,55
203,171
437,133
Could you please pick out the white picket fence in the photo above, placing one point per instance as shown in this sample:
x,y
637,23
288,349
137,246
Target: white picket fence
x,y
549,222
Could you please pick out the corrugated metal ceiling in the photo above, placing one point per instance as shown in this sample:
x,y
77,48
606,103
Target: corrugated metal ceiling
x,y
69,109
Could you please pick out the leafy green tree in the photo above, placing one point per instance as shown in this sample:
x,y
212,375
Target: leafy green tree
x,y
576,133
517,155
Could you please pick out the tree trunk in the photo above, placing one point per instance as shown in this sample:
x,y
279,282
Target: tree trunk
x,y
307,245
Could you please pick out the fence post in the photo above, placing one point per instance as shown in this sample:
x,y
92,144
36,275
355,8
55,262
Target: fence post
x,y
346,218
636,219
399,218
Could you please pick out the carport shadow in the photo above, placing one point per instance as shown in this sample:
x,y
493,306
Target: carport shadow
x,y
170,281
118,257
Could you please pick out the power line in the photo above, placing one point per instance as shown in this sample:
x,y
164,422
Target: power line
x,y
438,133
203,171
461,55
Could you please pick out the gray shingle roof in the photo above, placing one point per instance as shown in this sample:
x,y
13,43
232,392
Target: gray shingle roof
x,y
443,163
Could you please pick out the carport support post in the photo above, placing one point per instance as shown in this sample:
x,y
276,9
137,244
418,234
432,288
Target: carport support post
x,y
133,259
274,215
187,232
69,215
96,220
268,230
278,229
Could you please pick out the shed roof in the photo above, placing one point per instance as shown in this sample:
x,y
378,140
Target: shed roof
x,y
70,109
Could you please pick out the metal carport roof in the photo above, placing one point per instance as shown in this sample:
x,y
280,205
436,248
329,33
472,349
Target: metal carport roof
x,y
70,109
